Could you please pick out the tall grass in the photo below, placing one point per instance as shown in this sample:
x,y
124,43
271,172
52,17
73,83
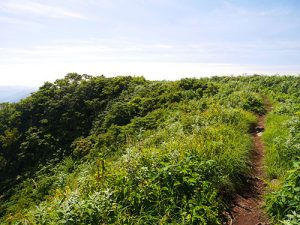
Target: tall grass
x,y
277,153
282,154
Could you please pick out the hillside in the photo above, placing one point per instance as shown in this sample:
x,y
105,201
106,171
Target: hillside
x,y
14,93
125,150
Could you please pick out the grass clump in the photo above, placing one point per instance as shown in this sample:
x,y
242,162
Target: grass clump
x,y
277,157
283,204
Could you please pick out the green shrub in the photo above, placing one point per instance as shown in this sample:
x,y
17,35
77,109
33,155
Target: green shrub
x,y
284,204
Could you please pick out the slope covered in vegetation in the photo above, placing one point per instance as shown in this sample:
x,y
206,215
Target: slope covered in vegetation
x,y
124,150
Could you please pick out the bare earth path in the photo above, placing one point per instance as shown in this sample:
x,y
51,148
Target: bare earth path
x,y
248,206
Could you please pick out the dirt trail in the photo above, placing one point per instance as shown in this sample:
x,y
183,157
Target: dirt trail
x,y
248,206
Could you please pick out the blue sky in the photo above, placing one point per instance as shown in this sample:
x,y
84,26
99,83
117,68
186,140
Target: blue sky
x,y
161,39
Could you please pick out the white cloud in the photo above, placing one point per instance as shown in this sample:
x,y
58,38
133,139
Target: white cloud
x,y
39,9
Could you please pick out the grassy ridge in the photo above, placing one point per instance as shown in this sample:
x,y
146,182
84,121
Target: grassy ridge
x,y
96,150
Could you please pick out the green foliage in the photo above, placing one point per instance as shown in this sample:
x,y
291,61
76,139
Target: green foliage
x,y
278,153
36,146
9,116
8,140
283,204
171,192
81,147
123,150
283,149
248,100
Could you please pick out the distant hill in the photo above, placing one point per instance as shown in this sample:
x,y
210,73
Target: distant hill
x,y
14,93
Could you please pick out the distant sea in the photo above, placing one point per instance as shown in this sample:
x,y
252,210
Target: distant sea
x,y
15,93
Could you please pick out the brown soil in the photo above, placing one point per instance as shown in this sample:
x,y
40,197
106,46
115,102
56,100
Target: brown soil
x,y
247,208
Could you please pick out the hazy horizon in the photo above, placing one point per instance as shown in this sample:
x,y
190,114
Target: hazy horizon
x,y
159,39
14,93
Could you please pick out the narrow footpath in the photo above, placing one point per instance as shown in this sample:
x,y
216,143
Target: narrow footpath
x,y
248,206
